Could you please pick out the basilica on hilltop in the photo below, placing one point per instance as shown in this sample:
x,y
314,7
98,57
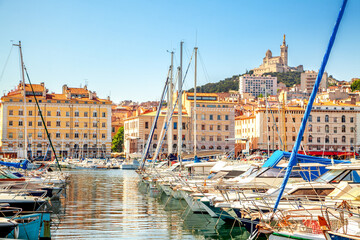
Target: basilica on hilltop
x,y
278,63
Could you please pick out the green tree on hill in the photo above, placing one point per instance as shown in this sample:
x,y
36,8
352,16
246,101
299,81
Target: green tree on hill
x,y
355,85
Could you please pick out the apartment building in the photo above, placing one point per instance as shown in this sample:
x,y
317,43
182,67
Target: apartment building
x,y
257,85
78,122
214,120
308,79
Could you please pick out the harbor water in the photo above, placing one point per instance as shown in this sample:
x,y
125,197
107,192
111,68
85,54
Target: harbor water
x,y
114,204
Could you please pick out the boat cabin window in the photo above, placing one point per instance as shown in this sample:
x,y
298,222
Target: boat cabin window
x,y
277,173
333,176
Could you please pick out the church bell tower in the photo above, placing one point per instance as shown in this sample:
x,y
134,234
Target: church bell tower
x,y
284,52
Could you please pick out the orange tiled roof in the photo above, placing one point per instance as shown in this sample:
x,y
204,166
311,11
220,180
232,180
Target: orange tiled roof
x,y
78,90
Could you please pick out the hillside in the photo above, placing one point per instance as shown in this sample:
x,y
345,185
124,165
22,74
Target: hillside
x,y
225,85
288,78
232,83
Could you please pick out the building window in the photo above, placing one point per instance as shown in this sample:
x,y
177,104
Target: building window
x,y
85,124
175,137
48,113
293,119
226,127
95,124
11,112
293,138
76,113
218,138
10,135
318,128
202,116
277,119
326,128
335,140
327,139
211,127
21,135
39,134
58,114
30,113
104,114
219,127
343,139
85,135
343,119
211,117
351,140
85,114
147,125
67,135
351,119
293,129
21,112
67,124
39,123
175,125
103,124
352,129
218,117
203,127
76,135
310,128
326,118
183,138
310,118
103,135
67,114
268,119
155,136
95,114
211,138
343,128
48,123
335,129
10,123
57,135
335,119
226,117
318,119
183,125
58,123
94,135
30,124
76,124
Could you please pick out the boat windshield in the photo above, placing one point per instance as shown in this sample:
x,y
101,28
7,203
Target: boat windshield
x,y
329,176
252,170
277,173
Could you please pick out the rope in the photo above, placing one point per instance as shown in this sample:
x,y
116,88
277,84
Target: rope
x,y
6,62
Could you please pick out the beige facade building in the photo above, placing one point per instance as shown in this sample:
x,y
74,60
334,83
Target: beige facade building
x,y
278,63
215,126
332,127
78,121
308,79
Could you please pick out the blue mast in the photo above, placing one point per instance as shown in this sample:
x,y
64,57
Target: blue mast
x,y
292,161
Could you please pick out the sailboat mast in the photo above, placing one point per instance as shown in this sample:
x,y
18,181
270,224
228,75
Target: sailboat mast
x,y
170,104
267,121
180,108
195,79
24,90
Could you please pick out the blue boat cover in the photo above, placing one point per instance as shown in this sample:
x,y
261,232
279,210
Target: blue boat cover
x,y
22,164
277,156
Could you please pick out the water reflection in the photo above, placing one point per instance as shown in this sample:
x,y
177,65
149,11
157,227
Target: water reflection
x,y
110,204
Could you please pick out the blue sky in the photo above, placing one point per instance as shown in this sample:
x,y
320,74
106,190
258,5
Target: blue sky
x,y
120,47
